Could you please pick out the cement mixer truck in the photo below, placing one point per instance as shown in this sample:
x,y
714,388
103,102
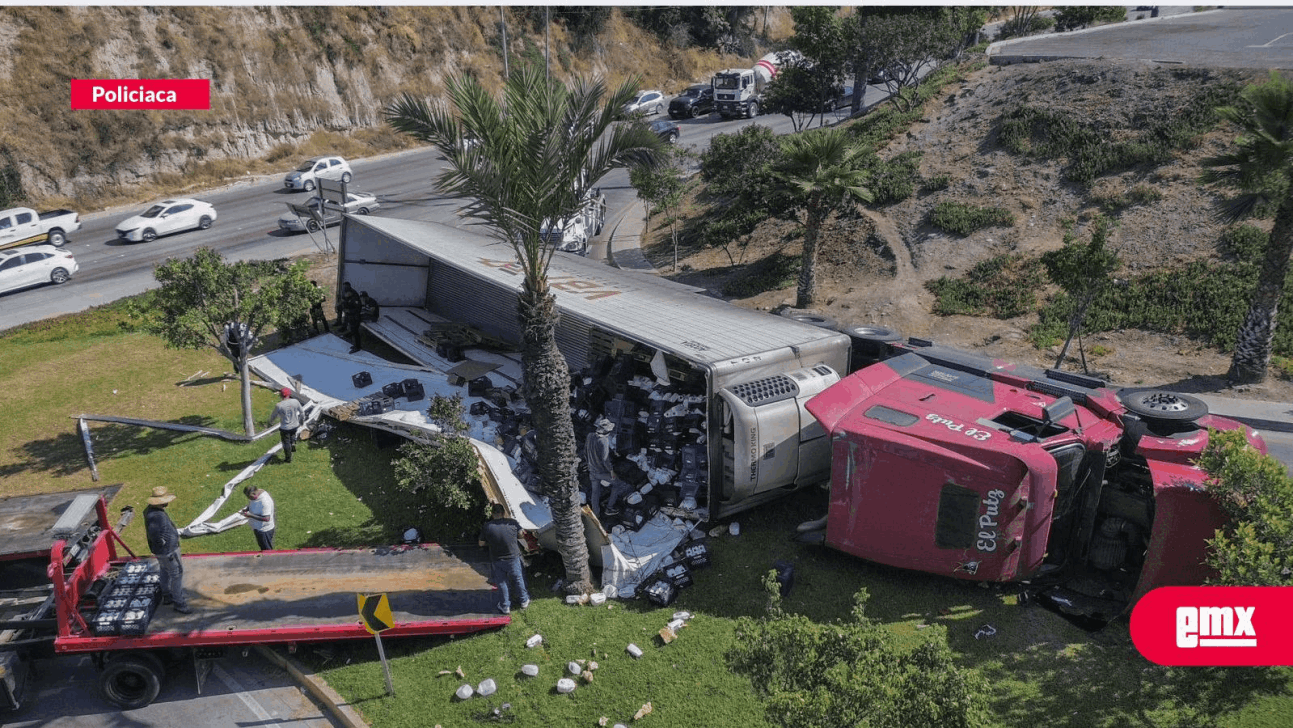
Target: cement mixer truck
x,y
739,91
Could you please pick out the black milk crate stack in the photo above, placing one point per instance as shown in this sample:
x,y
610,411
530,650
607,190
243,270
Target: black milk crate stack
x,y
127,605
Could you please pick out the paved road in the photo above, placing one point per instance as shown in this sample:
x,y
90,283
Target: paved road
x,y
239,692
1228,38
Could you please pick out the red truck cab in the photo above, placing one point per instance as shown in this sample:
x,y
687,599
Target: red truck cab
x,y
952,463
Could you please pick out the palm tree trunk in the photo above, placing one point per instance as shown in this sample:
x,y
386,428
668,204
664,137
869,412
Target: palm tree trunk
x,y
807,293
1253,347
547,391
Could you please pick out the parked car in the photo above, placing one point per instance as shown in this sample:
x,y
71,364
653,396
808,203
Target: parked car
x,y
841,97
33,265
646,103
306,177
695,101
166,217
357,203
666,130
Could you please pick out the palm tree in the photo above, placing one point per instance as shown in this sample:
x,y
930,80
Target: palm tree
x,y
823,170
529,157
1261,169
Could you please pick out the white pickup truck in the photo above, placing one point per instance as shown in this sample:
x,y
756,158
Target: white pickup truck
x,y
23,225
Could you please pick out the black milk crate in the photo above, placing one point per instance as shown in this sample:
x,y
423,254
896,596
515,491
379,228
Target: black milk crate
x,y
679,574
413,390
361,379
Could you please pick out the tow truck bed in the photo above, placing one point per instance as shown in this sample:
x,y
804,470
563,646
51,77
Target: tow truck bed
x,y
309,595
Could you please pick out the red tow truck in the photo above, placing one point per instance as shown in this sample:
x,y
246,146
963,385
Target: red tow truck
x,y
69,584
951,463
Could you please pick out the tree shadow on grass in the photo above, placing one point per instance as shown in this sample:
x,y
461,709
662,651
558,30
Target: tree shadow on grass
x,y
1108,683
64,454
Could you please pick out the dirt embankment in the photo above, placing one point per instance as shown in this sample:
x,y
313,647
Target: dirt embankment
x,y
874,270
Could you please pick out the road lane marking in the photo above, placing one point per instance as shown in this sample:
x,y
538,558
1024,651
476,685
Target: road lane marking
x,y
267,721
1268,45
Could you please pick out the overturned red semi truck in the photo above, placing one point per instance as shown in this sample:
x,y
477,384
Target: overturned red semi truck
x,y
951,463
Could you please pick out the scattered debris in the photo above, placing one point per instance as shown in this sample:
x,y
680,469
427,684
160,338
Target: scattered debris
x,y
530,670
463,692
717,531
986,630
487,687
565,685
587,676
592,665
734,528
534,641
667,635
643,712
634,650
574,668
785,575
597,598
460,673
602,721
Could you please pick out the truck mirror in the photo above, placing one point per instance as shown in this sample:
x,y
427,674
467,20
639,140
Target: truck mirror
x,y
1058,410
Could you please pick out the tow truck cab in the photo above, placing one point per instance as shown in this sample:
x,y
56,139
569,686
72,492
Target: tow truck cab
x,y
955,464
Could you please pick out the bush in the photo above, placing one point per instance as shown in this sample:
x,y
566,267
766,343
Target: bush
x,y
895,180
733,161
962,219
1115,202
1003,287
444,474
936,183
1092,151
1256,548
853,673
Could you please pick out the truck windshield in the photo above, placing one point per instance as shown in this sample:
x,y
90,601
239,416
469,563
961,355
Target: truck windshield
x,y
726,82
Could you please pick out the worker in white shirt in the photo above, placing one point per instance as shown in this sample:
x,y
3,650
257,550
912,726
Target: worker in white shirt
x,y
261,512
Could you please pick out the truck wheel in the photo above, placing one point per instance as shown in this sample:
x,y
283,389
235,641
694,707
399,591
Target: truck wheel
x,y
149,235
754,109
812,319
867,332
131,681
204,223
1157,404
57,237
59,275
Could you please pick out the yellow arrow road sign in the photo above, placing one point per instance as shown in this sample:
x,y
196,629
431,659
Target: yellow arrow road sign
x,y
375,611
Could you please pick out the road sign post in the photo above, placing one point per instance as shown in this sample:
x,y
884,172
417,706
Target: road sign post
x,y
375,613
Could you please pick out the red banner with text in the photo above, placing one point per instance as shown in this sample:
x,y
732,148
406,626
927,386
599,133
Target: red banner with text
x,y
1215,625
165,94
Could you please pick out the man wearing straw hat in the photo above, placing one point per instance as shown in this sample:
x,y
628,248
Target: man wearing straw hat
x,y
164,542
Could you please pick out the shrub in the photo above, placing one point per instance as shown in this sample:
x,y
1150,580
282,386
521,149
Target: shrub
x,y
1114,202
894,180
936,183
963,219
444,474
853,673
734,161
1003,287
1256,548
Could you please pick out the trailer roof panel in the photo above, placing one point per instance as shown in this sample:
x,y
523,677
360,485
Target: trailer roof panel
x,y
642,307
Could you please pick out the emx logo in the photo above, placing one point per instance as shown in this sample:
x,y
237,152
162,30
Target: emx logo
x,y
1215,625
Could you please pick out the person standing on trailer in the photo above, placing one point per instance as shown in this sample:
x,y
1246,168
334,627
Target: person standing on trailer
x,y
261,512
501,536
289,414
317,316
601,473
164,542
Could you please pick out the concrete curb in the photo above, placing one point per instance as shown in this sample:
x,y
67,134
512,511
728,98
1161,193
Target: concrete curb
x,y
319,690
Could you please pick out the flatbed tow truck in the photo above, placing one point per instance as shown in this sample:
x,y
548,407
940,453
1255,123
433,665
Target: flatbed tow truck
x,y
69,584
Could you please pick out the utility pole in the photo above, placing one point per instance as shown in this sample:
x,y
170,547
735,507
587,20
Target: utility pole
x,y
547,56
502,23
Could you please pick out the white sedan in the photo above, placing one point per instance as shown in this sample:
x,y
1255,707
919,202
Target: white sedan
x,y
165,217
357,203
32,265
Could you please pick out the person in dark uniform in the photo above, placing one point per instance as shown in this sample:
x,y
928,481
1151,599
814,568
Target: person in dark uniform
x,y
164,542
353,310
369,310
501,535
343,305
317,316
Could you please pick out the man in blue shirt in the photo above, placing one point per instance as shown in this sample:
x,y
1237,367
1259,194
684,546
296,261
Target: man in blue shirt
x,y
501,535
164,542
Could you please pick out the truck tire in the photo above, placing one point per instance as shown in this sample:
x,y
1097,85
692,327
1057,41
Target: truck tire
x,y
57,237
810,318
1164,406
754,109
130,681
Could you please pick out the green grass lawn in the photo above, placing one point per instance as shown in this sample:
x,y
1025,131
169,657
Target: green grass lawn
x,y
339,492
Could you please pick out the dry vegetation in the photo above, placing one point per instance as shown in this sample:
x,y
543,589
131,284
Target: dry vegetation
x,y
286,82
